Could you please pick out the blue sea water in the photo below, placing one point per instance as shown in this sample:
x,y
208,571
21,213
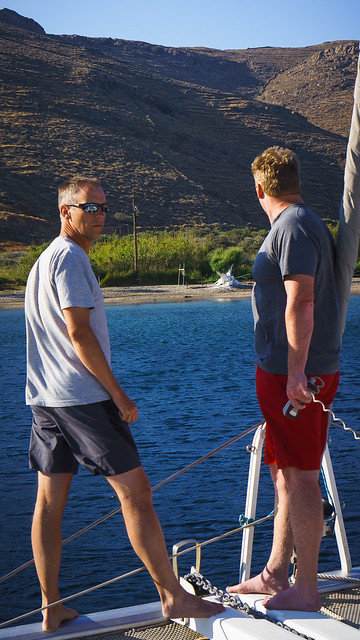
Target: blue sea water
x,y
189,367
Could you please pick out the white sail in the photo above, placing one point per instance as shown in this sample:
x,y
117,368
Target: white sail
x,y
349,216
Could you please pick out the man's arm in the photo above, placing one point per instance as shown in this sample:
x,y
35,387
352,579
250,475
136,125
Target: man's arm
x,y
299,322
88,349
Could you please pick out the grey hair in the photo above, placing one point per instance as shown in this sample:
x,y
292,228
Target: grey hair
x,y
69,189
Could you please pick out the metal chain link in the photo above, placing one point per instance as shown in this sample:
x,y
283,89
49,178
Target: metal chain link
x,y
199,582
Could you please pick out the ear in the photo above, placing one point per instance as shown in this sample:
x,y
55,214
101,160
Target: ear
x,y
260,191
65,212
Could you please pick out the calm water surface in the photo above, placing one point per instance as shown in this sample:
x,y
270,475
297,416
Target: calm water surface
x,y
189,367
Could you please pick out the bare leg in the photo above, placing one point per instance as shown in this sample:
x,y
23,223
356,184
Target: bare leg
x,y
53,490
274,577
146,537
306,515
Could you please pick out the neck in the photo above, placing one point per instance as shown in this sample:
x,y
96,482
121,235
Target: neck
x,y
67,231
274,206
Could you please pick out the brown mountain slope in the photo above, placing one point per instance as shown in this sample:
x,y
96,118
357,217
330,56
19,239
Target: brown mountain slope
x,y
320,88
72,104
320,75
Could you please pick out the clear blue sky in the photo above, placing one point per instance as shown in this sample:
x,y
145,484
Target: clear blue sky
x,y
221,24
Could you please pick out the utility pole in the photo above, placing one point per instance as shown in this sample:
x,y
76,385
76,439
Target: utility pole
x,y
135,237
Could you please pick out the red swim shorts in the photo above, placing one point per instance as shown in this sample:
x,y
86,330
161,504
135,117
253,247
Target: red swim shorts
x,y
294,443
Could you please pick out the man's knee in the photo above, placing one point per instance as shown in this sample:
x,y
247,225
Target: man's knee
x,y
132,486
53,492
300,479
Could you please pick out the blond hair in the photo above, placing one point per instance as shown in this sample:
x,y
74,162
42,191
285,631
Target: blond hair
x,y
277,171
68,190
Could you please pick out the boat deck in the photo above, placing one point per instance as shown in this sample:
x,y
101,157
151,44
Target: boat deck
x,y
167,631
339,619
343,605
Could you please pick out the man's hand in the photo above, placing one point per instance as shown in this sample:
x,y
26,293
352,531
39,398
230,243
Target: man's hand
x,y
127,408
88,349
297,391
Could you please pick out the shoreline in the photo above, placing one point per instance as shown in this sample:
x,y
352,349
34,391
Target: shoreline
x,y
144,294
152,294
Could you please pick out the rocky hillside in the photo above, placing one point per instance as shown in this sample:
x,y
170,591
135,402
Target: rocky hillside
x,y
179,127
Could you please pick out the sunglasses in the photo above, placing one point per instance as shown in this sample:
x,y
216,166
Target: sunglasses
x,y
91,207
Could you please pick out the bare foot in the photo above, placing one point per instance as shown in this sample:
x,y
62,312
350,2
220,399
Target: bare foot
x,y
294,599
55,616
264,582
186,605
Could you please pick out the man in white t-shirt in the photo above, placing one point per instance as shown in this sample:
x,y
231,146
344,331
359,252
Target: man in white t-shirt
x,y
80,412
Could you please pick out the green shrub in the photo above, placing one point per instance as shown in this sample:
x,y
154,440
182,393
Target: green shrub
x,y
116,279
222,259
357,269
168,276
203,250
26,262
333,226
6,279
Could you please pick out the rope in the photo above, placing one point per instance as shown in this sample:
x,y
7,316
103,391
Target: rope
x,y
175,475
335,420
135,571
330,576
72,597
157,486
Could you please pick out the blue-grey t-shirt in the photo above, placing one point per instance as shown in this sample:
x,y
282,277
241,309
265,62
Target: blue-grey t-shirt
x,y
61,278
297,243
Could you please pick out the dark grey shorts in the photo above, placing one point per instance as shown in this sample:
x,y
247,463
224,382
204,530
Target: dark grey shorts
x,y
92,435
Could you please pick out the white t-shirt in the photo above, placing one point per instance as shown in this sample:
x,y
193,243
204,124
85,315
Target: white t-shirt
x,y
62,277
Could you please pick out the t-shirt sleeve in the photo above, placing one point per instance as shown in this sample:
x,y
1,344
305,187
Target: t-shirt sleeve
x,y
72,280
296,251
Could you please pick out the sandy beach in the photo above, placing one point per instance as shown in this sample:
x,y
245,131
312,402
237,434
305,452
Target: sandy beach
x,y
140,294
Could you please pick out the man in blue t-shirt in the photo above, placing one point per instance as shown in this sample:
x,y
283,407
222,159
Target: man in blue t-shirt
x,y
297,337
80,412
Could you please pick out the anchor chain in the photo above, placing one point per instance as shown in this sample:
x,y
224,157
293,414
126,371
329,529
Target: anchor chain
x,y
203,586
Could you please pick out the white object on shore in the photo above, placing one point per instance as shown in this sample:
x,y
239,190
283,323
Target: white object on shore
x,y
227,280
